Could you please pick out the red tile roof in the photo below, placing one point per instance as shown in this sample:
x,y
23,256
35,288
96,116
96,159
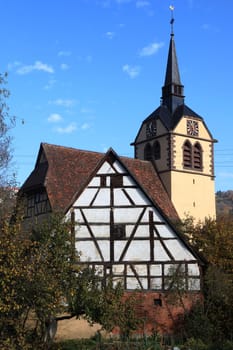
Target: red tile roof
x,y
69,169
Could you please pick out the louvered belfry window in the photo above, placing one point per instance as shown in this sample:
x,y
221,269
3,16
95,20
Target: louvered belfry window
x,y
156,150
148,152
187,155
197,156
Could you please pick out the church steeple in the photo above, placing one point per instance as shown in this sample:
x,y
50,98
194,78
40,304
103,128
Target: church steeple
x,y
172,91
180,146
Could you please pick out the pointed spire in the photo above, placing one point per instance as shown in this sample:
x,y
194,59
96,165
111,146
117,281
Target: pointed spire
x,y
172,91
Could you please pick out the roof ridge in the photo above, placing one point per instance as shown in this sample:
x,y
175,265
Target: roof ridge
x,y
44,144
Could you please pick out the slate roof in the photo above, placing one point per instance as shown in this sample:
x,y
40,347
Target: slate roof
x,y
67,171
171,120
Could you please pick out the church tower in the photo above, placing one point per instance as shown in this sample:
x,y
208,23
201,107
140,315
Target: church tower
x,y
179,143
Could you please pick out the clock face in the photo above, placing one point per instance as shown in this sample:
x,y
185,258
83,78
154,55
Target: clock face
x,y
192,127
151,128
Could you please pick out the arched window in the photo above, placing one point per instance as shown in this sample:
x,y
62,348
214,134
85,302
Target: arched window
x,y
156,150
197,156
148,152
187,155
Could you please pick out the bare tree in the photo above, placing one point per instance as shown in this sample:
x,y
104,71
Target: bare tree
x,y
7,179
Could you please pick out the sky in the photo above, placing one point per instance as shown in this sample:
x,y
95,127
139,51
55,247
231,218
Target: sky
x,y
86,73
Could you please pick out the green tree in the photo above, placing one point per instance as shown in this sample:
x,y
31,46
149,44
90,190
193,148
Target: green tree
x,y
40,285
103,302
35,278
214,240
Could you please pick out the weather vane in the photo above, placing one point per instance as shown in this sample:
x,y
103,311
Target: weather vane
x,y
171,7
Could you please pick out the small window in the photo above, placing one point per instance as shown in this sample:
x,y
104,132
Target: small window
x,y
156,150
117,181
119,231
148,152
187,155
158,302
37,203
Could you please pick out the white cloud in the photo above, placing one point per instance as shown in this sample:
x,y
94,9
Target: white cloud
x,y
123,1
13,65
64,53
205,26
64,66
63,102
89,58
132,71
54,118
141,3
110,35
38,66
50,84
151,49
85,110
85,126
67,130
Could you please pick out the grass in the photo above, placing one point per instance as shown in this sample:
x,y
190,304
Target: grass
x,y
150,343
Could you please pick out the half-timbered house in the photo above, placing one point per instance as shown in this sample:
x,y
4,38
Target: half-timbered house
x,y
124,220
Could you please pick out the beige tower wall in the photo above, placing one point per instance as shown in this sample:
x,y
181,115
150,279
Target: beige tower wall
x,y
193,195
191,190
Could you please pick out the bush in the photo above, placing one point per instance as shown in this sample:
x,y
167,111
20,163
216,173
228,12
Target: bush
x,y
194,344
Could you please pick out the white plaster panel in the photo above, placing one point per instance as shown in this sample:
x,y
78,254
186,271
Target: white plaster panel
x,y
128,181
101,230
141,269
106,169
129,271
132,283
165,231
82,232
78,216
194,284
88,251
95,181
138,250
68,215
142,231
86,197
137,196
105,249
120,198
97,215
144,283
103,197
193,270
156,270
156,283
179,251
156,215
118,167
118,248
159,252
118,269
170,268
108,181
128,230
122,215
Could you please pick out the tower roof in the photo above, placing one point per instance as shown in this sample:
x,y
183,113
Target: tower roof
x,y
172,91
172,71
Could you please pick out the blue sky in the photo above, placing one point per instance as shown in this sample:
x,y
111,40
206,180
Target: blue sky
x,y
86,73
